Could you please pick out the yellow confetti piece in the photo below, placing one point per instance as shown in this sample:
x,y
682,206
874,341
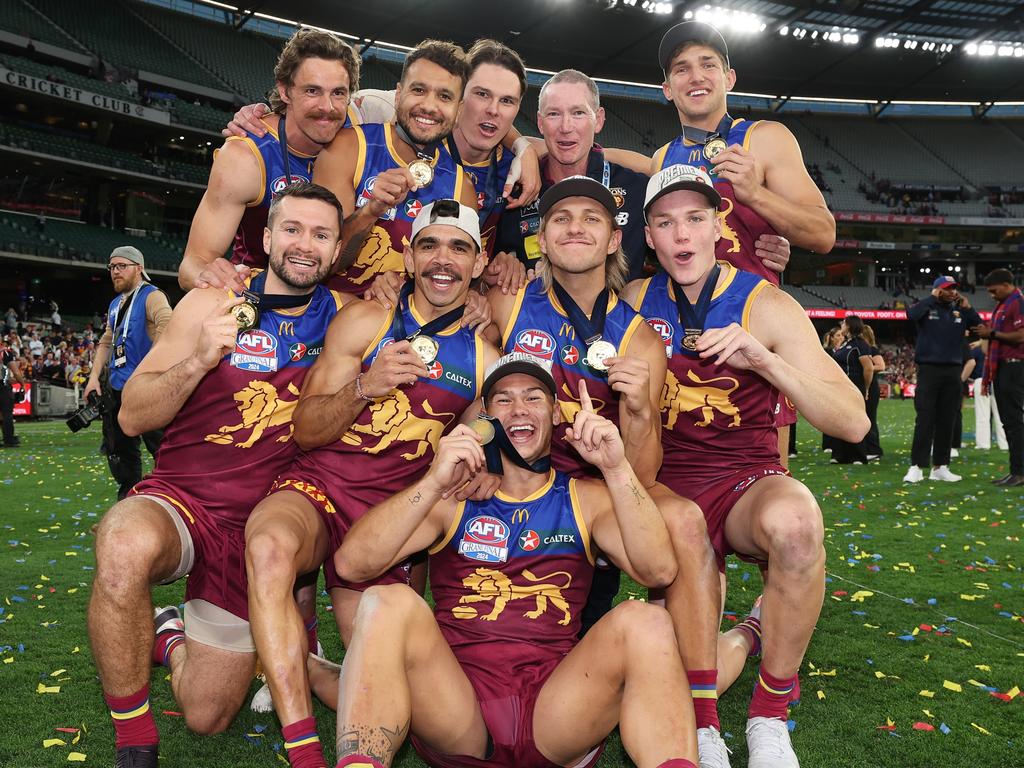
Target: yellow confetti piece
x,y
871,626
71,554
927,694
47,688
47,743
970,598
975,725
952,686
57,672
983,667
72,590
822,673
821,695
76,757
76,650
928,713
976,683
1014,692
964,642
9,660
860,595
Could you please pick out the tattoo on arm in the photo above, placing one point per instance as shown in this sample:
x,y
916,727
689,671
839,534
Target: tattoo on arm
x,y
380,743
416,498
637,496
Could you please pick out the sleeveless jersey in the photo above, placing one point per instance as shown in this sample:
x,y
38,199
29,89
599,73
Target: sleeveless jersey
x,y
489,201
741,225
511,577
713,416
392,441
130,340
382,251
232,436
248,245
540,326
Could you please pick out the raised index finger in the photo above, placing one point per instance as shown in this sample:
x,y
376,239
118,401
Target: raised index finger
x,y
585,402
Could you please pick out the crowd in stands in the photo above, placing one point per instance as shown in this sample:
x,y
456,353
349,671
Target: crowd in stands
x,y
50,352
900,367
910,199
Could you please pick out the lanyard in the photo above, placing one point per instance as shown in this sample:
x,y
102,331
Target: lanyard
x,y
426,151
700,136
271,301
124,315
502,445
693,317
490,185
282,139
432,327
589,329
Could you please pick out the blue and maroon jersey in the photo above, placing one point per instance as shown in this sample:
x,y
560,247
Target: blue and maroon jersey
x,y
232,436
248,245
511,577
391,443
384,245
741,225
540,326
712,415
489,184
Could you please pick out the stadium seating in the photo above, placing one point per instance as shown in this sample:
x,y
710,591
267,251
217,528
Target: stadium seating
x,y
61,75
198,115
22,19
76,241
958,142
118,36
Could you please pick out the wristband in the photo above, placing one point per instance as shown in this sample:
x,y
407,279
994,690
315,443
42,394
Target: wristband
x,y
359,390
520,145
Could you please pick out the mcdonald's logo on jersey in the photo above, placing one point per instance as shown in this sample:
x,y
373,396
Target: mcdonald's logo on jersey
x,y
286,328
568,331
521,515
695,156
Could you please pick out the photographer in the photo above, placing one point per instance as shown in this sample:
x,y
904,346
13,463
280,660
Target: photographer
x,y
10,372
941,320
136,318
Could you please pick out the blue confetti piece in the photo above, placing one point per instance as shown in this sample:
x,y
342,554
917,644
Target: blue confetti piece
x,y
932,601
259,728
908,600
859,613
746,576
791,725
17,599
944,728
907,638
21,647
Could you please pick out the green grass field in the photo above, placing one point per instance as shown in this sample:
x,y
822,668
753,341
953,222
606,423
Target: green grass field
x,y
921,622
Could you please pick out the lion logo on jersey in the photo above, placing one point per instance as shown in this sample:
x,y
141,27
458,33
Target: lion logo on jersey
x,y
392,420
261,409
728,233
496,587
570,404
677,398
377,255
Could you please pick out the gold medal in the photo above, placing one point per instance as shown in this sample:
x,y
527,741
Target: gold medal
x,y
246,315
598,352
425,347
714,147
422,173
690,339
483,427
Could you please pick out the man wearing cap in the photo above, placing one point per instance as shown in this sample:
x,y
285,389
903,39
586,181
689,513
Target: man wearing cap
x,y
734,343
942,320
573,317
385,387
1004,366
136,318
495,674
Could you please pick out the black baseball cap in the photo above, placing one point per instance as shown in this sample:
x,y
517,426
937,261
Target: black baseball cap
x,y
690,32
578,186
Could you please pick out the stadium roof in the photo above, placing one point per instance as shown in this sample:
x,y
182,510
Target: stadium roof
x,y
824,48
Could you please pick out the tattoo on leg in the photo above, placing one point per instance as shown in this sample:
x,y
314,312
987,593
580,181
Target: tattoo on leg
x,y
380,743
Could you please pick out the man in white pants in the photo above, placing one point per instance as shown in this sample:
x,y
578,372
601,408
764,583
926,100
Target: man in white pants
x,y
986,413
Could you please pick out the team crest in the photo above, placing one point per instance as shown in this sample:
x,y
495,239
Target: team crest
x,y
620,196
485,538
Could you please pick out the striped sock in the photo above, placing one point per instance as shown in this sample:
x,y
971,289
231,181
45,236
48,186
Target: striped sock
x,y
311,638
134,725
358,761
704,690
302,744
751,625
165,644
771,695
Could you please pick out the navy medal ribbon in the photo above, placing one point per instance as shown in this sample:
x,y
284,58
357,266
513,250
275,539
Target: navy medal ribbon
x,y
691,317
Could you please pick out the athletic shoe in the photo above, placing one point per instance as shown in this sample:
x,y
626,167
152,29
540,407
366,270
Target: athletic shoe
x,y
1002,480
136,757
914,475
768,744
711,750
262,701
167,620
1014,481
943,473
874,456
954,453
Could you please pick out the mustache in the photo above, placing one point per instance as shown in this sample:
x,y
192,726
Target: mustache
x,y
429,273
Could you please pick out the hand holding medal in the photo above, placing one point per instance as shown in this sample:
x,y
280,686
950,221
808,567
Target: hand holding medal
x,y
218,333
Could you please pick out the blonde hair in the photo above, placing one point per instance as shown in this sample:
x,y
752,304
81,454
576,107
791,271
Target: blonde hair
x,y
616,267
869,335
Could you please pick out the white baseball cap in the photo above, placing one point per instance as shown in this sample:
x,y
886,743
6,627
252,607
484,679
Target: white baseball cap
x,y
450,212
680,177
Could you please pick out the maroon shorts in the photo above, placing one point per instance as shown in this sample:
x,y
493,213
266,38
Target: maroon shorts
x,y
785,414
338,522
218,570
716,501
508,715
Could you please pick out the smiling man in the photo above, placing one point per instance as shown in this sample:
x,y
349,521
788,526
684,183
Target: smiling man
x,y
385,173
386,386
225,395
315,75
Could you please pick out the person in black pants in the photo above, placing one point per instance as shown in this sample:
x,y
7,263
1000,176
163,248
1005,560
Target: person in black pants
x,y
873,442
1004,366
854,357
9,373
941,320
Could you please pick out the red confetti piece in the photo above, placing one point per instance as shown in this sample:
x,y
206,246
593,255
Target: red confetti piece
x,y
923,727
1001,696
172,713
66,730
840,593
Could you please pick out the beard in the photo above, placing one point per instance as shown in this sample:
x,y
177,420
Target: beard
x,y
284,272
418,133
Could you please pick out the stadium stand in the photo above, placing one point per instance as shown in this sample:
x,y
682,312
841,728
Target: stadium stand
x,y
22,19
67,77
199,115
957,142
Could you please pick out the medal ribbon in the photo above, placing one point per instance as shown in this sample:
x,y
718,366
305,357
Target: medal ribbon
x,y
502,445
271,301
693,317
282,139
490,185
589,329
700,136
423,151
432,327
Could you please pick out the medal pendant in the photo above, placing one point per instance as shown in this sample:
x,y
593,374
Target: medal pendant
x,y
422,173
598,352
483,427
714,147
425,347
246,315
690,338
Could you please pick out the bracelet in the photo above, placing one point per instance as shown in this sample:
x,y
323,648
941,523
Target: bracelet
x,y
359,390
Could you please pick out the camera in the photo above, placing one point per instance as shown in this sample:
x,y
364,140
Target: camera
x,y
94,408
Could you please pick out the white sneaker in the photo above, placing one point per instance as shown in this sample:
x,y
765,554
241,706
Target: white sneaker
x,y
954,453
711,750
914,475
262,701
943,473
768,744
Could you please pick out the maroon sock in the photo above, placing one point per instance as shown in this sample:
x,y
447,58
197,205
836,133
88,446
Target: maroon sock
x,y
311,624
362,761
134,725
302,744
704,690
165,644
752,626
771,695
677,762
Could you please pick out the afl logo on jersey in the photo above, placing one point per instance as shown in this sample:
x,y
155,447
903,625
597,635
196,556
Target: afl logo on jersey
x,y
663,327
255,350
485,538
534,342
278,184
